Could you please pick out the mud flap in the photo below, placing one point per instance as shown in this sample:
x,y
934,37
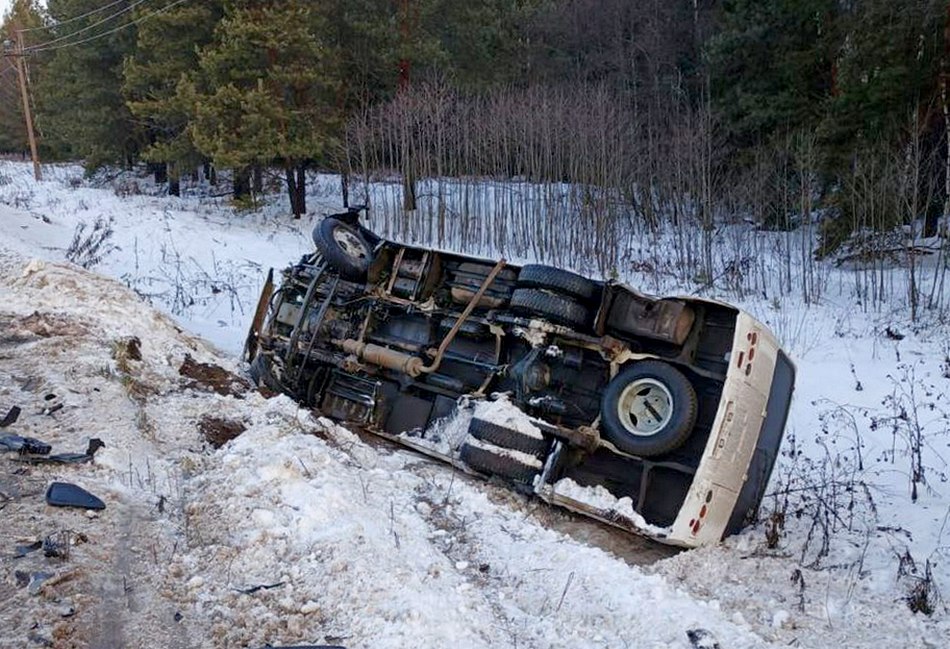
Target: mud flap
x,y
254,333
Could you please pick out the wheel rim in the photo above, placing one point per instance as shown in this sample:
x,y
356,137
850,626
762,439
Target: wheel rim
x,y
645,407
349,243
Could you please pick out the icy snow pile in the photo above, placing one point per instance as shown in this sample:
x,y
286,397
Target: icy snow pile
x,y
502,412
387,550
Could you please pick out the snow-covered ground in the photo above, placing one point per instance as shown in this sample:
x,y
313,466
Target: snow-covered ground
x,y
374,547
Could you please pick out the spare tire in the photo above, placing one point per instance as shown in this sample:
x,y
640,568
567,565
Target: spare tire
x,y
557,280
344,248
550,306
505,437
648,409
504,466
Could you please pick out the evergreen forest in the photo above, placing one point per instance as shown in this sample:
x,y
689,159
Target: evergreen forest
x,y
781,113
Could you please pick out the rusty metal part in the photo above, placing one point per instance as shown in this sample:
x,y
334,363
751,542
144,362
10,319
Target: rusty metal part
x,y
449,337
383,356
292,347
428,306
254,333
585,437
413,365
462,295
499,337
395,270
321,314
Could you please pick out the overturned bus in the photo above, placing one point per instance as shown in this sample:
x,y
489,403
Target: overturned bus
x,y
662,416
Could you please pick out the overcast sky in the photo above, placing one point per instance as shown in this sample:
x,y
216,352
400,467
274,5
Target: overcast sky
x,y
5,5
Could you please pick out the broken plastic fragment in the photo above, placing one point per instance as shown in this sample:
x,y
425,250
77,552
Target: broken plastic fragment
x,y
702,639
10,418
67,458
23,550
24,445
36,581
253,589
64,494
57,545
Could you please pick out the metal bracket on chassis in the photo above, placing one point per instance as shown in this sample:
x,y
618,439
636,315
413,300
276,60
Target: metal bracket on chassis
x,y
292,373
252,342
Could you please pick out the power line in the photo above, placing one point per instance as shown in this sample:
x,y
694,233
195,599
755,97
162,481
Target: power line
x,y
74,18
48,44
44,47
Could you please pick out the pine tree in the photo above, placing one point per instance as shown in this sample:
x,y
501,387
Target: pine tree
x,y
80,107
482,42
771,66
361,36
269,93
887,67
167,52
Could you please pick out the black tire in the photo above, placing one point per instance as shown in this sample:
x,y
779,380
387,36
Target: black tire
x,y
496,435
344,248
557,280
555,308
503,466
478,273
663,398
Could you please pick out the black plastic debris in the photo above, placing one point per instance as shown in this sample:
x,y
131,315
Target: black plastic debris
x,y
10,418
22,578
34,580
28,445
253,589
56,546
702,639
303,646
20,551
67,458
64,494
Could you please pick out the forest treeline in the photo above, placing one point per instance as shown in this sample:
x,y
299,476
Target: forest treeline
x,y
770,110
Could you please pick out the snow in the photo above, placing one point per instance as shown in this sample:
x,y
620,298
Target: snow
x,y
524,458
599,498
363,545
502,412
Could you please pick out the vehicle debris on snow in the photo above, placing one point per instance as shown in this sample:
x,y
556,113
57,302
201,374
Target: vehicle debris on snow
x,y
11,417
21,551
675,407
24,445
32,457
65,494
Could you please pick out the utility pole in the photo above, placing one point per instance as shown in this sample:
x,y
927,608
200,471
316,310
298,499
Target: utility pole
x,y
18,53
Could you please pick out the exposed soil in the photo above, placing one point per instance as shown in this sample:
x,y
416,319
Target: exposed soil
x,y
213,378
219,431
